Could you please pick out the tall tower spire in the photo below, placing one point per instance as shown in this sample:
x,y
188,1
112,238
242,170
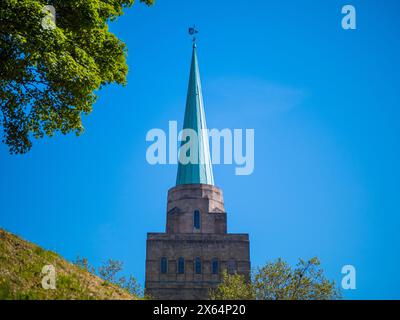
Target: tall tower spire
x,y
195,119
189,259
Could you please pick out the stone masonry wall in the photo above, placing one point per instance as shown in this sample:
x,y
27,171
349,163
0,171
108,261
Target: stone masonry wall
x,y
229,248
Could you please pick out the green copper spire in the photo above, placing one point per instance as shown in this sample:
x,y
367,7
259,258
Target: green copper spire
x,y
200,172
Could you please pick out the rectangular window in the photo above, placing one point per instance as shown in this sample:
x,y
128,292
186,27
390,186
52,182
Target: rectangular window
x,y
164,265
232,268
181,266
196,219
197,265
215,266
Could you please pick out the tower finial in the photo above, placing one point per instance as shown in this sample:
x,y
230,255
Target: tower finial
x,y
193,31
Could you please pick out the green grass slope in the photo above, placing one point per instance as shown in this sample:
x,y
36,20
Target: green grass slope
x,y
21,264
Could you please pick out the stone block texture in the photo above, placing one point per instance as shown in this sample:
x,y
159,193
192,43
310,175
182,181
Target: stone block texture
x,y
187,261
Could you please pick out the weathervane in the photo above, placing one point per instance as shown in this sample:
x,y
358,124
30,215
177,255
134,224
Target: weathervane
x,y
193,31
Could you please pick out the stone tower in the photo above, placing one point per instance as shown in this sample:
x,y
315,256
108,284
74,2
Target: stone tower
x,y
187,261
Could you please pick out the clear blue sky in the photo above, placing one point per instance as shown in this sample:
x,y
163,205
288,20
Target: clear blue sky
x,y
324,104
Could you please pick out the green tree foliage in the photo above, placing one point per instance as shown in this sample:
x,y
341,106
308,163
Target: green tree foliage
x,y
279,281
233,287
49,76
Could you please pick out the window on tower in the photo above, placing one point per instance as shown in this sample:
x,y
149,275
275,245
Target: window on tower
x,y
215,266
164,265
232,268
197,265
196,219
181,265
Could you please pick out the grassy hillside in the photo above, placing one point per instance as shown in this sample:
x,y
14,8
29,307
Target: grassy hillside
x,y
21,264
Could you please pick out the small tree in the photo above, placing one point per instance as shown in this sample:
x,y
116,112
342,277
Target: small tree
x,y
131,285
233,287
109,270
83,263
279,281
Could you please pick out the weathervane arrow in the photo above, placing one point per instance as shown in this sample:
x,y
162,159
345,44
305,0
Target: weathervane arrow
x,y
193,31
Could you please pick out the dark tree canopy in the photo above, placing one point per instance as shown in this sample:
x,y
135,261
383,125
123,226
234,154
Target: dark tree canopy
x,y
49,76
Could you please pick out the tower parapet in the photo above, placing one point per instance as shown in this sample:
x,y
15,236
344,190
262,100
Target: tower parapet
x,y
187,201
